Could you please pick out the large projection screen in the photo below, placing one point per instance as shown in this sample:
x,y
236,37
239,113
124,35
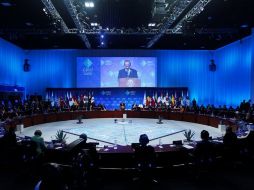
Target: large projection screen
x,y
116,72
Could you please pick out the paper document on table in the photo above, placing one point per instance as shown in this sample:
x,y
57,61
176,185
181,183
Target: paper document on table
x,y
188,146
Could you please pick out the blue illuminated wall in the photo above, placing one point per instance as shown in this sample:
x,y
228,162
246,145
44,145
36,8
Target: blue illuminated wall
x,y
187,68
229,84
56,68
11,64
252,65
50,68
233,75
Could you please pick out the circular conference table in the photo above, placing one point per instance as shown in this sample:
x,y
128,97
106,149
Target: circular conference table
x,y
178,116
122,156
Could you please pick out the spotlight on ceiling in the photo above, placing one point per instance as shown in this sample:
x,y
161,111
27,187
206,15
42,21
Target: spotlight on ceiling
x,y
89,4
151,24
94,24
45,11
6,4
244,26
29,24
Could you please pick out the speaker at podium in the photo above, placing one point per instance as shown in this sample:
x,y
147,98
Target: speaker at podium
x,y
129,82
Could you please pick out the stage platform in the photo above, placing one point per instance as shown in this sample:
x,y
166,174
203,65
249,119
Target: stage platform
x,y
122,132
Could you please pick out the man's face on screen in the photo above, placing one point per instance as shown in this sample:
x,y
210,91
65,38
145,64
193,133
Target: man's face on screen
x,y
127,64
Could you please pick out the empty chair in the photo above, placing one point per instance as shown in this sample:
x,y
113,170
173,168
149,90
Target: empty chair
x,y
52,178
29,152
249,144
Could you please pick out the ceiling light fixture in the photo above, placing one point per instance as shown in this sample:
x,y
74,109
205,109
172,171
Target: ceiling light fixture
x,y
6,4
89,4
151,24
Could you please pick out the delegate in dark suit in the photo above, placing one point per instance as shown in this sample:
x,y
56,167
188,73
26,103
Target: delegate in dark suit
x,y
127,73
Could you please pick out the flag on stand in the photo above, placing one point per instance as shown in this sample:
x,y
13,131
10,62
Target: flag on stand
x,y
159,99
68,97
153,101
148,101
173,100
144,99
52,97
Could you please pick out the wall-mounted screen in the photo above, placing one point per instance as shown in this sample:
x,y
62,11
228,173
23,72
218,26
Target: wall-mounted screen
x,y
116,72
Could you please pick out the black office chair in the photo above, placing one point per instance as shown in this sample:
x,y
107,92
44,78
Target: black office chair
x,y
178,142
85,167
249,146
29,153
53,177
145,160
204,154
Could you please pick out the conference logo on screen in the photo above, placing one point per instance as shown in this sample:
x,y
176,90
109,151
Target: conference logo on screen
x,y
87,67
130,83
106,93
130,93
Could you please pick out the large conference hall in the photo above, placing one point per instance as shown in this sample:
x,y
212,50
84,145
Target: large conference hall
x,y
126,94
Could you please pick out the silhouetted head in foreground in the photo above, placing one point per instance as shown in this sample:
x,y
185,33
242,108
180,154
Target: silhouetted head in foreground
x,y
143,140
204,135
83,136
38,133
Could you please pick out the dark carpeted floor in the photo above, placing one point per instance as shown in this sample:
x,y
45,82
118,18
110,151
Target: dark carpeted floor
x,y
238,177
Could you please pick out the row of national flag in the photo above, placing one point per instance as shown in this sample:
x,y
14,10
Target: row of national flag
x,y
154,99
148,100
68,98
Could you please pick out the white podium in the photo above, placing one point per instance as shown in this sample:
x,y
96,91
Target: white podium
x,y
20,128
222,128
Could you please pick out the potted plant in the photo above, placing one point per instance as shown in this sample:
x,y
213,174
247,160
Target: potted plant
x,y
60,137
188,135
